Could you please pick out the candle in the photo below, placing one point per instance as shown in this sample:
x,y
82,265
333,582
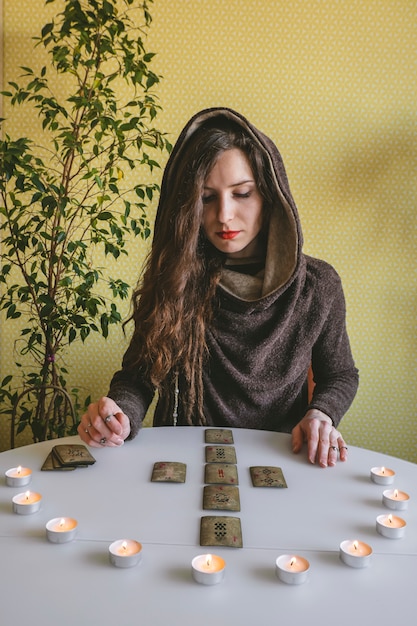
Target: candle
x,y
18,476
394,499
292,569
125,553
382,475
61,529
27,503
390,526
355,553
208,569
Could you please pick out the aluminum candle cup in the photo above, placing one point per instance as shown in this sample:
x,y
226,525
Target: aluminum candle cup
x,y
125,553
208,569
355,553
382,475
18,476
390,526
61,529
292,569
27,503
394,499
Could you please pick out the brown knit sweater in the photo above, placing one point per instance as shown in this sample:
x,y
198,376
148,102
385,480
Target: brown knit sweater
x,y
269,328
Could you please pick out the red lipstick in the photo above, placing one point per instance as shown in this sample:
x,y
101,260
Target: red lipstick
x,y
228,234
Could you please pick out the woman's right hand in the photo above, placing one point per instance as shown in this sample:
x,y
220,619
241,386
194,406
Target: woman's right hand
x,y
104,424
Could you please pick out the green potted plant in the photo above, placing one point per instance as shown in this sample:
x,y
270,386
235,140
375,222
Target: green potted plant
x,y
69,195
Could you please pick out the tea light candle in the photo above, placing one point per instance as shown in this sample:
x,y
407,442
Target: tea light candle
x,y
394,499
382,475
208,569
355,553
61,529
390,526
27,503
292,569
18,476
125,553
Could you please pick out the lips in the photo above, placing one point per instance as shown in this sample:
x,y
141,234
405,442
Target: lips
x,y
228,234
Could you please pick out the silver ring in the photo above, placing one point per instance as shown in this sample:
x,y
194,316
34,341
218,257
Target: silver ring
x,y
343,448
108,418
103,440
333,448
86,430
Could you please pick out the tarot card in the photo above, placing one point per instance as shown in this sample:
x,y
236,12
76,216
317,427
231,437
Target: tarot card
x,y
169,472
218,435
220,454
51,464
73,455
221,474
267,476
221,531
221,497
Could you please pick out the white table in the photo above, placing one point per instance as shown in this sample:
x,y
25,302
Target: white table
x,y
74,583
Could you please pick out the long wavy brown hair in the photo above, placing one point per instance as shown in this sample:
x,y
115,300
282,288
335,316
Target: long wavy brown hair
x,y
175,299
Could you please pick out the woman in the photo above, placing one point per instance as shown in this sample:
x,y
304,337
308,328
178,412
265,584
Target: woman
x,y
231,314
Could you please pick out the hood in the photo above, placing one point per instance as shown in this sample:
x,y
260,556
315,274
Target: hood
x,y
284,241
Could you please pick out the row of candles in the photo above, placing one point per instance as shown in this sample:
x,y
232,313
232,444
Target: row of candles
x,y
209,569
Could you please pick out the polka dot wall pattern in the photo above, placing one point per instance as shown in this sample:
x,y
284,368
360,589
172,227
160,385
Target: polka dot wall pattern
x,y
334,83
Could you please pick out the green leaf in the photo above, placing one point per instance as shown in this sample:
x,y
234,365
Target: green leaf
x,y
105,215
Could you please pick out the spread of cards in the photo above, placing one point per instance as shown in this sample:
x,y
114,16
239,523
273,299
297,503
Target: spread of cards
x,y
221,492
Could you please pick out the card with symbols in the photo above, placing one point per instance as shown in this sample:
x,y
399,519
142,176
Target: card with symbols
x,y
169,472
267,476
221,497
221,531
221,473
220,454
218,435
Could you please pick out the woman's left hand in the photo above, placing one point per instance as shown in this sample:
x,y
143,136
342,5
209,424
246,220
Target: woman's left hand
x,y
325,444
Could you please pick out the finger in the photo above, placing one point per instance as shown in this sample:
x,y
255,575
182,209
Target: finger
x,y
124,423
326,453
107,411
343,450
103,435
86,436
97,440
314,443
83,433
333,453
297,439
112,423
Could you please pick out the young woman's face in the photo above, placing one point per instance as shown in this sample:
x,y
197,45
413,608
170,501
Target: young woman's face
x,y
232,217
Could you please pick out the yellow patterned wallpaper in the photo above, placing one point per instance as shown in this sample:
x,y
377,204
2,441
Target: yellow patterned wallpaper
x,y
333,82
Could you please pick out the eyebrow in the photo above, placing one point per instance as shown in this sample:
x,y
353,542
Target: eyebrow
x,y
241,182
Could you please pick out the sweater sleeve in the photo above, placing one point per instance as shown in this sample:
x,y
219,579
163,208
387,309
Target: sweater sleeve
x,y
335,376
131,392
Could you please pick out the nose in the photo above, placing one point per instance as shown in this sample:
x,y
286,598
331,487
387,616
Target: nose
x,y
225,209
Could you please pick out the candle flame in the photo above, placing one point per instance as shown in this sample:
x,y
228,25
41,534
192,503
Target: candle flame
x,y
382,470
19,469
355,545
62,523
124,546
395,493
389,519
27,495
209,560
293,561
